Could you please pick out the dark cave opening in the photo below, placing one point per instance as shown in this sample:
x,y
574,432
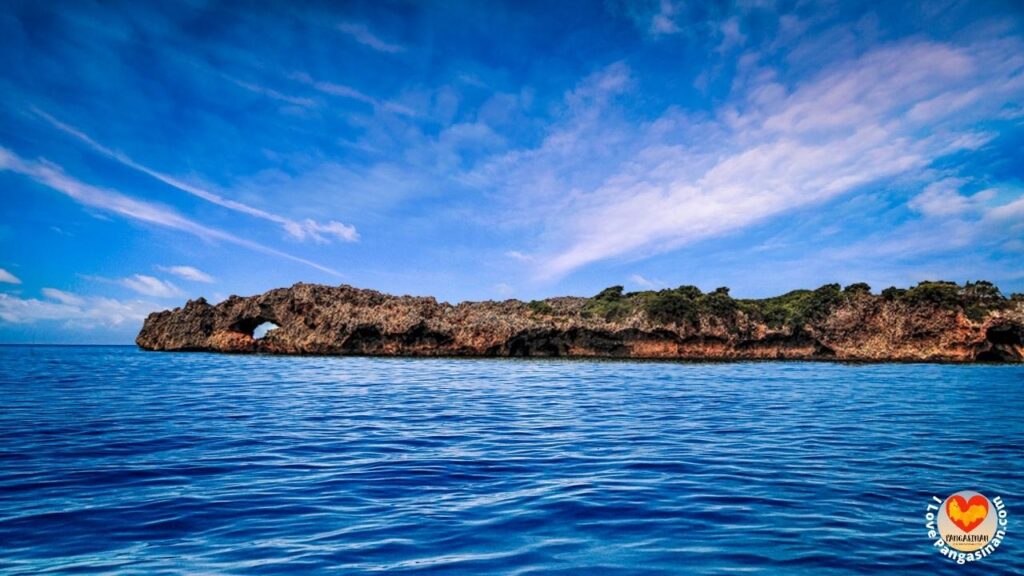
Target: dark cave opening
x,y
1005,344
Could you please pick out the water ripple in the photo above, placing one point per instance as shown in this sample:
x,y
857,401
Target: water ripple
x,y
114,460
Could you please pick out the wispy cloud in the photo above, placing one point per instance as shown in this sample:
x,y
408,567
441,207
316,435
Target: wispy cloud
x,y
77,311
656,19
718,26
520,256
769,150
8,278
662,21
342,91
361,34
943,198
270,92
644,282
151,286
53,177
949,220
63,297
504,289
300,230
188,273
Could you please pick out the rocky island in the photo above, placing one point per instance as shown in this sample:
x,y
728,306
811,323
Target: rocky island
x,y
933,321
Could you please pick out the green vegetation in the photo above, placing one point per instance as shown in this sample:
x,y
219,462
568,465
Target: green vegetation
x,y
609,304
941,293
719,303
780,310
975,299
822,302
687,304
798,307
893,293
856,289
540,307
610,294
978,298
679,305
983,293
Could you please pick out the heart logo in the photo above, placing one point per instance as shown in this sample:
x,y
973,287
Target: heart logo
x,y
967,514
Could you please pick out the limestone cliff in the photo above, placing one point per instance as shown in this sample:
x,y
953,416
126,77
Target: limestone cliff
x,y
934,321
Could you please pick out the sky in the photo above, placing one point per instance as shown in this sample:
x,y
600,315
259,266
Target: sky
x,y
155,152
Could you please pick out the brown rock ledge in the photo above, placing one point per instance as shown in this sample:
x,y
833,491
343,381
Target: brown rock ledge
x,y
940,322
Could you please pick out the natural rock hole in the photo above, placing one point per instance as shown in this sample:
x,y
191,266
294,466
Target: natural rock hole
x,y
256,327
260,331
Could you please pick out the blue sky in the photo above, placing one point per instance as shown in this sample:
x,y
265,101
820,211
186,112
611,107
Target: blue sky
x,y
151,153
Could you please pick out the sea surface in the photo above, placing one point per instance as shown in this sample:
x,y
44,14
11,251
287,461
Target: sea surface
x,y
114,460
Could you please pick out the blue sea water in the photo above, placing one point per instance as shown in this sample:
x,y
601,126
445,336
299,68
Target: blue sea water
x,y
114,460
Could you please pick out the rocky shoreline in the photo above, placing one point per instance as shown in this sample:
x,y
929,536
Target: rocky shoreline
x,y
935,321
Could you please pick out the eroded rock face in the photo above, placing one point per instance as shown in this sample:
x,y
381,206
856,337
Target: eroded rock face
x,y
316,319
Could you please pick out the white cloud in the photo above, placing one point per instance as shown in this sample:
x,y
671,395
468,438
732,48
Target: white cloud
x,y
150,286
1011,211
731,35
270,93
610,188
662,21
63,297
643,282
298,230
8,278
188,273
949,221
520,256
943,198
333,228
77,311
660,18
600,87
361,34
110,201
343,91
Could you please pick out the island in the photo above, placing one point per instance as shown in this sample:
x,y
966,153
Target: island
x,y
932,321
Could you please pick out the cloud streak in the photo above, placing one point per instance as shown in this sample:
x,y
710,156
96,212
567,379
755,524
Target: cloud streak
x,y
87,312
269,92
8,278
520,256
63,297
342,91
151,286
644,282
188,273
300,230
361,34
771,149
151,213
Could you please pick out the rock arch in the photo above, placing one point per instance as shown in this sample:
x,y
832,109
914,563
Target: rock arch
x,y
249,325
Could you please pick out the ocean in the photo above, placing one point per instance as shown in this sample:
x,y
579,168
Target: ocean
x,y
114,460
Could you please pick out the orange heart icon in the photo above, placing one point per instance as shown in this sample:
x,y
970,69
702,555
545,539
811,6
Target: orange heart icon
x,y
967,514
